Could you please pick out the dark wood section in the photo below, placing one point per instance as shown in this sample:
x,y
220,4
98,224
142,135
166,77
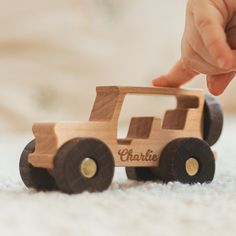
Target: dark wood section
x,y
37,178
191,102
68,161
175,119
140,127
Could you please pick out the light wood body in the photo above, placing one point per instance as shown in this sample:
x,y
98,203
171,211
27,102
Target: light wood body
x,y
147,136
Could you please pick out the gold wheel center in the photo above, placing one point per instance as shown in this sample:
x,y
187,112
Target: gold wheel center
x,y
88,167
192,166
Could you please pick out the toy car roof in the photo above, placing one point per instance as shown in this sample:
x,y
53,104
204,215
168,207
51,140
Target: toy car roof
x,y
149,90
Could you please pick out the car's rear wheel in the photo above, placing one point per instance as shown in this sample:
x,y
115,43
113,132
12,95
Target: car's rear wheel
x,y
37,178
84,164
213,120
187,160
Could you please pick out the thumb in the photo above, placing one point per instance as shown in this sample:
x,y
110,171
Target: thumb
x,y
218,83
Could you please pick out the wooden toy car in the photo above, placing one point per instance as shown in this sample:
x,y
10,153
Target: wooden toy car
x,y
75,157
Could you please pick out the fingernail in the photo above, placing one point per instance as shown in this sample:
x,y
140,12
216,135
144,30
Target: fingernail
x,y
157,80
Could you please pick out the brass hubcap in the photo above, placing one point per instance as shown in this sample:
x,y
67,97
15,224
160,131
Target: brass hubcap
x,y
88,167
192,166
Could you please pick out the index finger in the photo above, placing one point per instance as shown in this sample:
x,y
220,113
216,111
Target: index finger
x,y
177,76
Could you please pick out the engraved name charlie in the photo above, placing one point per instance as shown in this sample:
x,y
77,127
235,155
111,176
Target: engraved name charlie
x,y
128,155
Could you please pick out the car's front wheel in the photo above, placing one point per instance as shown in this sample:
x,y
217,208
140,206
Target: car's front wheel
x,y
83,164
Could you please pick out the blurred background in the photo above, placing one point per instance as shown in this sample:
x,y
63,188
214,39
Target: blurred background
x,y
53,53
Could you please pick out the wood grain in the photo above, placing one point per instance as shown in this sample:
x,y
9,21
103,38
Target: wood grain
x,y
146,138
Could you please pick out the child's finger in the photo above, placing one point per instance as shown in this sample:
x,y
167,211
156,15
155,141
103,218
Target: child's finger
x,y
177,76
197,61
210,26
218,83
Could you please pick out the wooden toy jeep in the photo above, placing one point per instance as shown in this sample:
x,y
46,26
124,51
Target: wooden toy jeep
x,y
74,157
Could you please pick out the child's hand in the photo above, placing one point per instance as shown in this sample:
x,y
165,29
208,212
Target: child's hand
x,y
207,46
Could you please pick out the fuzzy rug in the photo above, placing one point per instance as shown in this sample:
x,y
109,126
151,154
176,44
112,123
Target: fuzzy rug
x,y
127,208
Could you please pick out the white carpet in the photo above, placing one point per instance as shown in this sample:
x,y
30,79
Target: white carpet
x,y
127,208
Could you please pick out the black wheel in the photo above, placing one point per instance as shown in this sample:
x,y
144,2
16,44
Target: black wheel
x,y
37,178
85,164
213,120
187,160
140,173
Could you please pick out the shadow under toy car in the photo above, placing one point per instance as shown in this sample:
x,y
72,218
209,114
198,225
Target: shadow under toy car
x,y
74,157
